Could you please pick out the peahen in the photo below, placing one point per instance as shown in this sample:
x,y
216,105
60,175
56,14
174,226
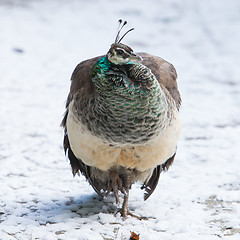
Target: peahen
x,y
122,120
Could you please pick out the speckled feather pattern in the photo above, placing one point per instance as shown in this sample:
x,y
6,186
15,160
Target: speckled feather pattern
x,y
124,111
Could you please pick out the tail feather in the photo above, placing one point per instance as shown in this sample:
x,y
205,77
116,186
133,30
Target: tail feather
x,y
153,181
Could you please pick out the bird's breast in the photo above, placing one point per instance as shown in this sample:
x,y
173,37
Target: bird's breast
x,y
96,151
128,108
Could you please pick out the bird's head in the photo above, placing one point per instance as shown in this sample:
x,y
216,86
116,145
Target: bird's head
x,y
120,53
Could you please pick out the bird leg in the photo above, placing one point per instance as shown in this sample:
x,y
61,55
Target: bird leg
x,y
115,184
124,211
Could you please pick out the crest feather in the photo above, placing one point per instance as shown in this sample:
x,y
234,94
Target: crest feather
x,y
120,27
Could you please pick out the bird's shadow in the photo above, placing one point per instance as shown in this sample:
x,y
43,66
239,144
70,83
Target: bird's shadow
x,y
91,205
85,205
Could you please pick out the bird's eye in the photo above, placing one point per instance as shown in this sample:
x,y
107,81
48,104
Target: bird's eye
x,y
119,51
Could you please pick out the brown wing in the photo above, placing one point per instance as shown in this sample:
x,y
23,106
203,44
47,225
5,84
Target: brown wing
x,y
80,80
153,181
165,74
81,83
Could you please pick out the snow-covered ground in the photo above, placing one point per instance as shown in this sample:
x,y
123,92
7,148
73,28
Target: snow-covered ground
x,y
40,44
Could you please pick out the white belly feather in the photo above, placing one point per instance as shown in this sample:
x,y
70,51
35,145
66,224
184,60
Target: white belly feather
x,y
94,152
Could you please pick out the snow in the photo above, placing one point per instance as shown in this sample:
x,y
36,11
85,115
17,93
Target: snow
x,y
40,44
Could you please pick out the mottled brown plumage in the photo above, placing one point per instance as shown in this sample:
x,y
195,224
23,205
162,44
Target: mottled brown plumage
x,y
82,88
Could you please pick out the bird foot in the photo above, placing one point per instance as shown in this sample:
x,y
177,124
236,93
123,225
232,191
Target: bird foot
x,y
115,184
125,212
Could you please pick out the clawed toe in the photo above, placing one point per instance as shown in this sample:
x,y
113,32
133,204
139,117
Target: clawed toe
x,y
125,213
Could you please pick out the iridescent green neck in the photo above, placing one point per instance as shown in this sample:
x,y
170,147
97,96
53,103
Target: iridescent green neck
x,y
101,66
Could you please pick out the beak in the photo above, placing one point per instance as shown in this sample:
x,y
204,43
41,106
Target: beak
x,y
136,56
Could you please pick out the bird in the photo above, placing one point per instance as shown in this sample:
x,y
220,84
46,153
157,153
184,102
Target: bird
x,y
122,121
